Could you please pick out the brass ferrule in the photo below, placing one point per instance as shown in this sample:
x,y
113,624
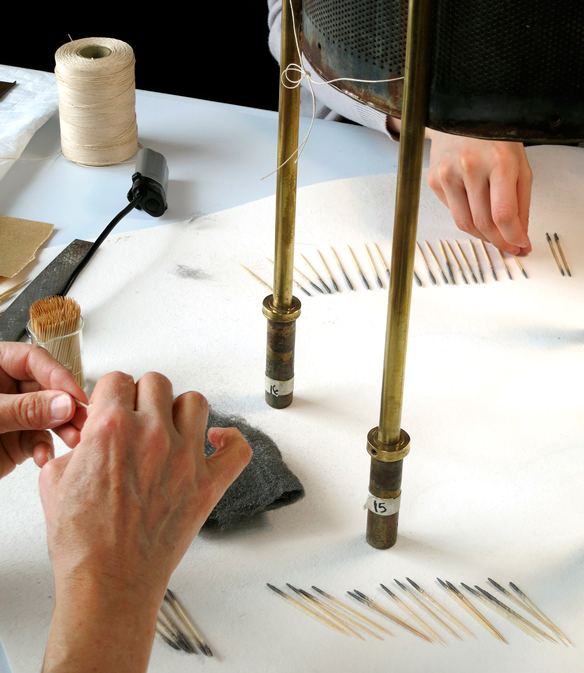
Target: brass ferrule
x,y
387,453
274,314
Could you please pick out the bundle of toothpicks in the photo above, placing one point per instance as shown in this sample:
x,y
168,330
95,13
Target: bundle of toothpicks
x,y
55,324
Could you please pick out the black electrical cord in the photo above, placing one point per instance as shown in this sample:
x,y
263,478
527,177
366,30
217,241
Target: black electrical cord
x,y
134,203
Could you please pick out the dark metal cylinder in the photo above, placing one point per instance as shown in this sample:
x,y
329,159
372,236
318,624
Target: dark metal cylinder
x,y
280,364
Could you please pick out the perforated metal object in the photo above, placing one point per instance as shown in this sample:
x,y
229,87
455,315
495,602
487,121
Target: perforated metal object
x,y
507,69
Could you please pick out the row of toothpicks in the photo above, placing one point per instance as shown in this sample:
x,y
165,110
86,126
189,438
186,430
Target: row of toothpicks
x,y
176,628
349,621
442,267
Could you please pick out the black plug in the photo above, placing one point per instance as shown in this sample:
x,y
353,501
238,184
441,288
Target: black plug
x,y
150,182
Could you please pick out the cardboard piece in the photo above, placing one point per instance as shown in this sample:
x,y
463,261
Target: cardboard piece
x,y
19,241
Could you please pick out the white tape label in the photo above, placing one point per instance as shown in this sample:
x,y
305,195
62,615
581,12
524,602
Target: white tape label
x,y
382,506
279,388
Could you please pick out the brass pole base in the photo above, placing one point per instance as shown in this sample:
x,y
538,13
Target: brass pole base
x,y
279,386
384,489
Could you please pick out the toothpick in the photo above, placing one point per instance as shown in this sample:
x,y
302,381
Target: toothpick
x,y
546,619
466,262
432,278
557,240
326,287
308,280
374,267
437,262
455,258
504,263
257,278
549,240
502,612
167,640
514,614
440,607
519,265
180,612
172,627
349,284
489,259
324,610
383,261
306,292
447,263
455,593
80,403
359,268
333,281
425,607
387,613
474,252
309,611
413,614
351,610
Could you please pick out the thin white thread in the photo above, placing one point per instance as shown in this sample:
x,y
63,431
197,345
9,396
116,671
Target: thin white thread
x,y
304,74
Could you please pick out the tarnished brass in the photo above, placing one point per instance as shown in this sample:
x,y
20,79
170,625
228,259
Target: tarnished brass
x,y
282,306
382,530
387,453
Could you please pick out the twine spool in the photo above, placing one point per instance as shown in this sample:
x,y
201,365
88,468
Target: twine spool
x,y
97,101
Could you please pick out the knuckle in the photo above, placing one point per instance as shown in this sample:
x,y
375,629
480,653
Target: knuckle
x,y
29,411
198,401
470,161
463,225
446,174
503,215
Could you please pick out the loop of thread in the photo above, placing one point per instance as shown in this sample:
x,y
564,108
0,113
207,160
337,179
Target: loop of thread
x,y
292,83
97,101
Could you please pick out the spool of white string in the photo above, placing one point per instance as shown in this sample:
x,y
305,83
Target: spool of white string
x,y
97,101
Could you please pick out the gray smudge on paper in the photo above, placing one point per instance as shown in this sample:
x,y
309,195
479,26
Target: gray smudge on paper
x,y
184,271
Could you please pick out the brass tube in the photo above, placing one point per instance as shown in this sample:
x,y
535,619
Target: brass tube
x,y
282,308
288,124
385,479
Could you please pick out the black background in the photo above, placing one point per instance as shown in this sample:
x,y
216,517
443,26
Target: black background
x,y
214,51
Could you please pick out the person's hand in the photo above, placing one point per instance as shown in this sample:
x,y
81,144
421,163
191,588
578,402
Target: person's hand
x,y
121,511
36,394
486,185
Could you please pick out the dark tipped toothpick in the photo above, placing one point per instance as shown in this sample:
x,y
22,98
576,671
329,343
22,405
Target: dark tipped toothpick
x,y
455,258
520,266
430,274
542,616
308,610
413,614
187,622
549,240
505,264
440,607
377,278
347,280
447,263
426,608
466,262
351,610
301,287
383,261
359,269
557,240
437,262
489,260
309,265
474,252
330,275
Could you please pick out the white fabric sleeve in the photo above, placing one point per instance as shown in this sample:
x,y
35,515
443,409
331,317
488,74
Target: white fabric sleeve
x,y
331,104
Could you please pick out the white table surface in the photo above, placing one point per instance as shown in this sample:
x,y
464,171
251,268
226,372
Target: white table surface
x,y
493,403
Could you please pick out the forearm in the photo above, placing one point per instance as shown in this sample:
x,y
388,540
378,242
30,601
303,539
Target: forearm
x,y
95,629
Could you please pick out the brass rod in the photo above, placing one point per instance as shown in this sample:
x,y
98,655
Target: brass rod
x,y
406,218
288,125
385,479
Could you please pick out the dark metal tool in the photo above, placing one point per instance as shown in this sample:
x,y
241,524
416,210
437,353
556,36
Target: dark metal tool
x,y
49,282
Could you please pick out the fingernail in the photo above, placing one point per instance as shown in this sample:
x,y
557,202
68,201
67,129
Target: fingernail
x,y
61,407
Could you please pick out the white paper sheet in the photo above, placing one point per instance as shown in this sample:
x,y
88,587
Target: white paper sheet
x,y
493,403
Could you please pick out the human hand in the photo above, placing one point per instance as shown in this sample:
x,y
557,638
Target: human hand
x,y
121,511
35,395
487,186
